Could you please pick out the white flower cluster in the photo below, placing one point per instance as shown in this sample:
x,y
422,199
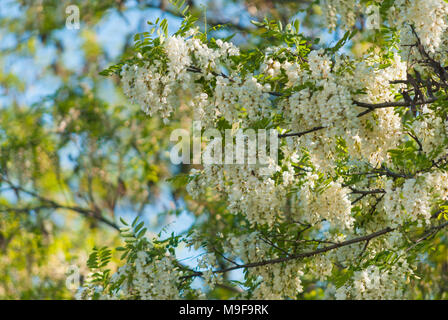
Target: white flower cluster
x,y
248,191
208,263
156,279
382,130
373,283
321,267
429,17
431,130
276,281
331,204
331,96
325,93
345,9
231,96
153,88
145,278
279,281
414,200
156,85
249,247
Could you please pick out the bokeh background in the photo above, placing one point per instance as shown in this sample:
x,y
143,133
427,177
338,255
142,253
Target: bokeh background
x,y
76,155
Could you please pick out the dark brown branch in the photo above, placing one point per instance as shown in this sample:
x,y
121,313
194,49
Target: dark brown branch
x,y
51,204
224,257
364,249
420,146
300,255
429,233
366,192
269,242
299,134
370,108
373,106
384,172
358,199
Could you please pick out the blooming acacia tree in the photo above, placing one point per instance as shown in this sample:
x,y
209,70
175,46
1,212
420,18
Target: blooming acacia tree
x,y
359,188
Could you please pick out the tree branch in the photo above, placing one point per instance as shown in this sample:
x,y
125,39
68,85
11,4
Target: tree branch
x,y
300,255
54,205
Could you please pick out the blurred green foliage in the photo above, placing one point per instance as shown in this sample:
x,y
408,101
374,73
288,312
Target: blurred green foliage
x,y
73,160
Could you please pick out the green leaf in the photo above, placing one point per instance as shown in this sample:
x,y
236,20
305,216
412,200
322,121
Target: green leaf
x,y
141,233
123,221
